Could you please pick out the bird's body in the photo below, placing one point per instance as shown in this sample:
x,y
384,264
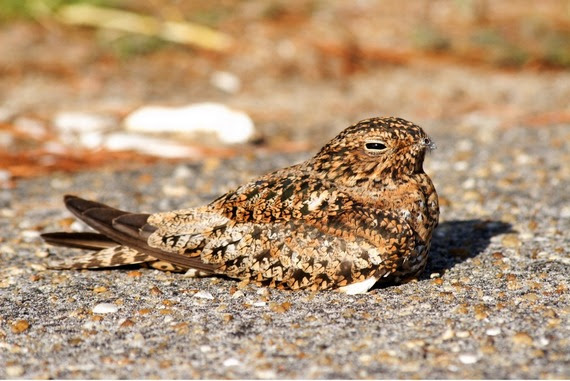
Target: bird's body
x,y
362,209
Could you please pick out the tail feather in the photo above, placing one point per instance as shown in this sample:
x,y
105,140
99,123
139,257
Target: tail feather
x,y
128,230
110,257
89,241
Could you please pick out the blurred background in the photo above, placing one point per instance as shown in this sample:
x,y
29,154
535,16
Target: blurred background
x,y
80,81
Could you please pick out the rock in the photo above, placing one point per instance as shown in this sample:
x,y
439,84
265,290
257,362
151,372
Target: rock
x,y
105,308
230,126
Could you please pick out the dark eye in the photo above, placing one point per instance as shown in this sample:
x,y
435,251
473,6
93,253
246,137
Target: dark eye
x,y
375,146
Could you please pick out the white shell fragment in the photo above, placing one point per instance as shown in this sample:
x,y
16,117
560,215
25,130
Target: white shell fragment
x,y
230,126
105,308
203,295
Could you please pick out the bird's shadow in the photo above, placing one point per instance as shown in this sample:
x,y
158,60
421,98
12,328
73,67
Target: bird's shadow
x,y
456,241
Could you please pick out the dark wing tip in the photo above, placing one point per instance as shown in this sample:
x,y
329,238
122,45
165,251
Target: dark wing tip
x,y
81,240
80,205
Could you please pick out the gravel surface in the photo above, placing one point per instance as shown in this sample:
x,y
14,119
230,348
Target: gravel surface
x,y
493,302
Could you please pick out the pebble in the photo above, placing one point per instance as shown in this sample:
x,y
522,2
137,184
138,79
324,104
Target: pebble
x,y
204,295
14,371
226,81
5,176
67,122
522,338
105,308
462,334
468,359
230,126
511,240
231,362
495,331
20,326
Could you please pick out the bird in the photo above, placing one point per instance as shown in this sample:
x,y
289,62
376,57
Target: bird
x,y
360,212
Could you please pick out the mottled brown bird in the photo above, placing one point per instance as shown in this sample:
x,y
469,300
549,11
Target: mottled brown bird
x,y
361,210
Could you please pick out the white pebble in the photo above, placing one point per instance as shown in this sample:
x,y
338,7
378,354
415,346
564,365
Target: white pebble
x,y
462,334
260,304
203,295
469,183
468,359
460,166
226,81
231,362
5,175
68,122
14,371
493,331
205,348
105,308
229,125
182,172
174,190
29,235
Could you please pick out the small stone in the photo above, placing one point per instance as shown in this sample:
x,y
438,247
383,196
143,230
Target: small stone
x,y
100,289
448,334
468,359
231,362
260,304
155,291
531,297
438,281
41,253
225,81
494,331
105,308
20,326
463,334
69,122
204,295
522,338
127,323
280,308
511,240
134,274
14,371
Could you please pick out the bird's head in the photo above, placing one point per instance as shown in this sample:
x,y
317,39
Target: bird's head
x,y
373,152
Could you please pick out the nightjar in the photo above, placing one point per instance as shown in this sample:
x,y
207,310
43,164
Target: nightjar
x,y
361,210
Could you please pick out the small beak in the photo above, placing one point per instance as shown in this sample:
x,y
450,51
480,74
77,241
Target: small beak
x,y
429,144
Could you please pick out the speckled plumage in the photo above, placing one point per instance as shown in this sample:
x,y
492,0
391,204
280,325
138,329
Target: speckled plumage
x,y
362,209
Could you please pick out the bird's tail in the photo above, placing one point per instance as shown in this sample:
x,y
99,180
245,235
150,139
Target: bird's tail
x,y
121,240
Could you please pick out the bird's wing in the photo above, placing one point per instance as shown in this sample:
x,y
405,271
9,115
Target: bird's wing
x,y
293,230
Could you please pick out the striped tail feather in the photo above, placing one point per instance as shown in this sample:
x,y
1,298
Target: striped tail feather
x,y
121,238
105,258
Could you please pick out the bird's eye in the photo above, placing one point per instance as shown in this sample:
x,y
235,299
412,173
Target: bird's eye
x,y
375,146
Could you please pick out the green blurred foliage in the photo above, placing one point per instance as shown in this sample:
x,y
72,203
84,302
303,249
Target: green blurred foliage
x,y
26,9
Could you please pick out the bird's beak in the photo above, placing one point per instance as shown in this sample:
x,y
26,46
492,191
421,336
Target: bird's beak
x,y
429,144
